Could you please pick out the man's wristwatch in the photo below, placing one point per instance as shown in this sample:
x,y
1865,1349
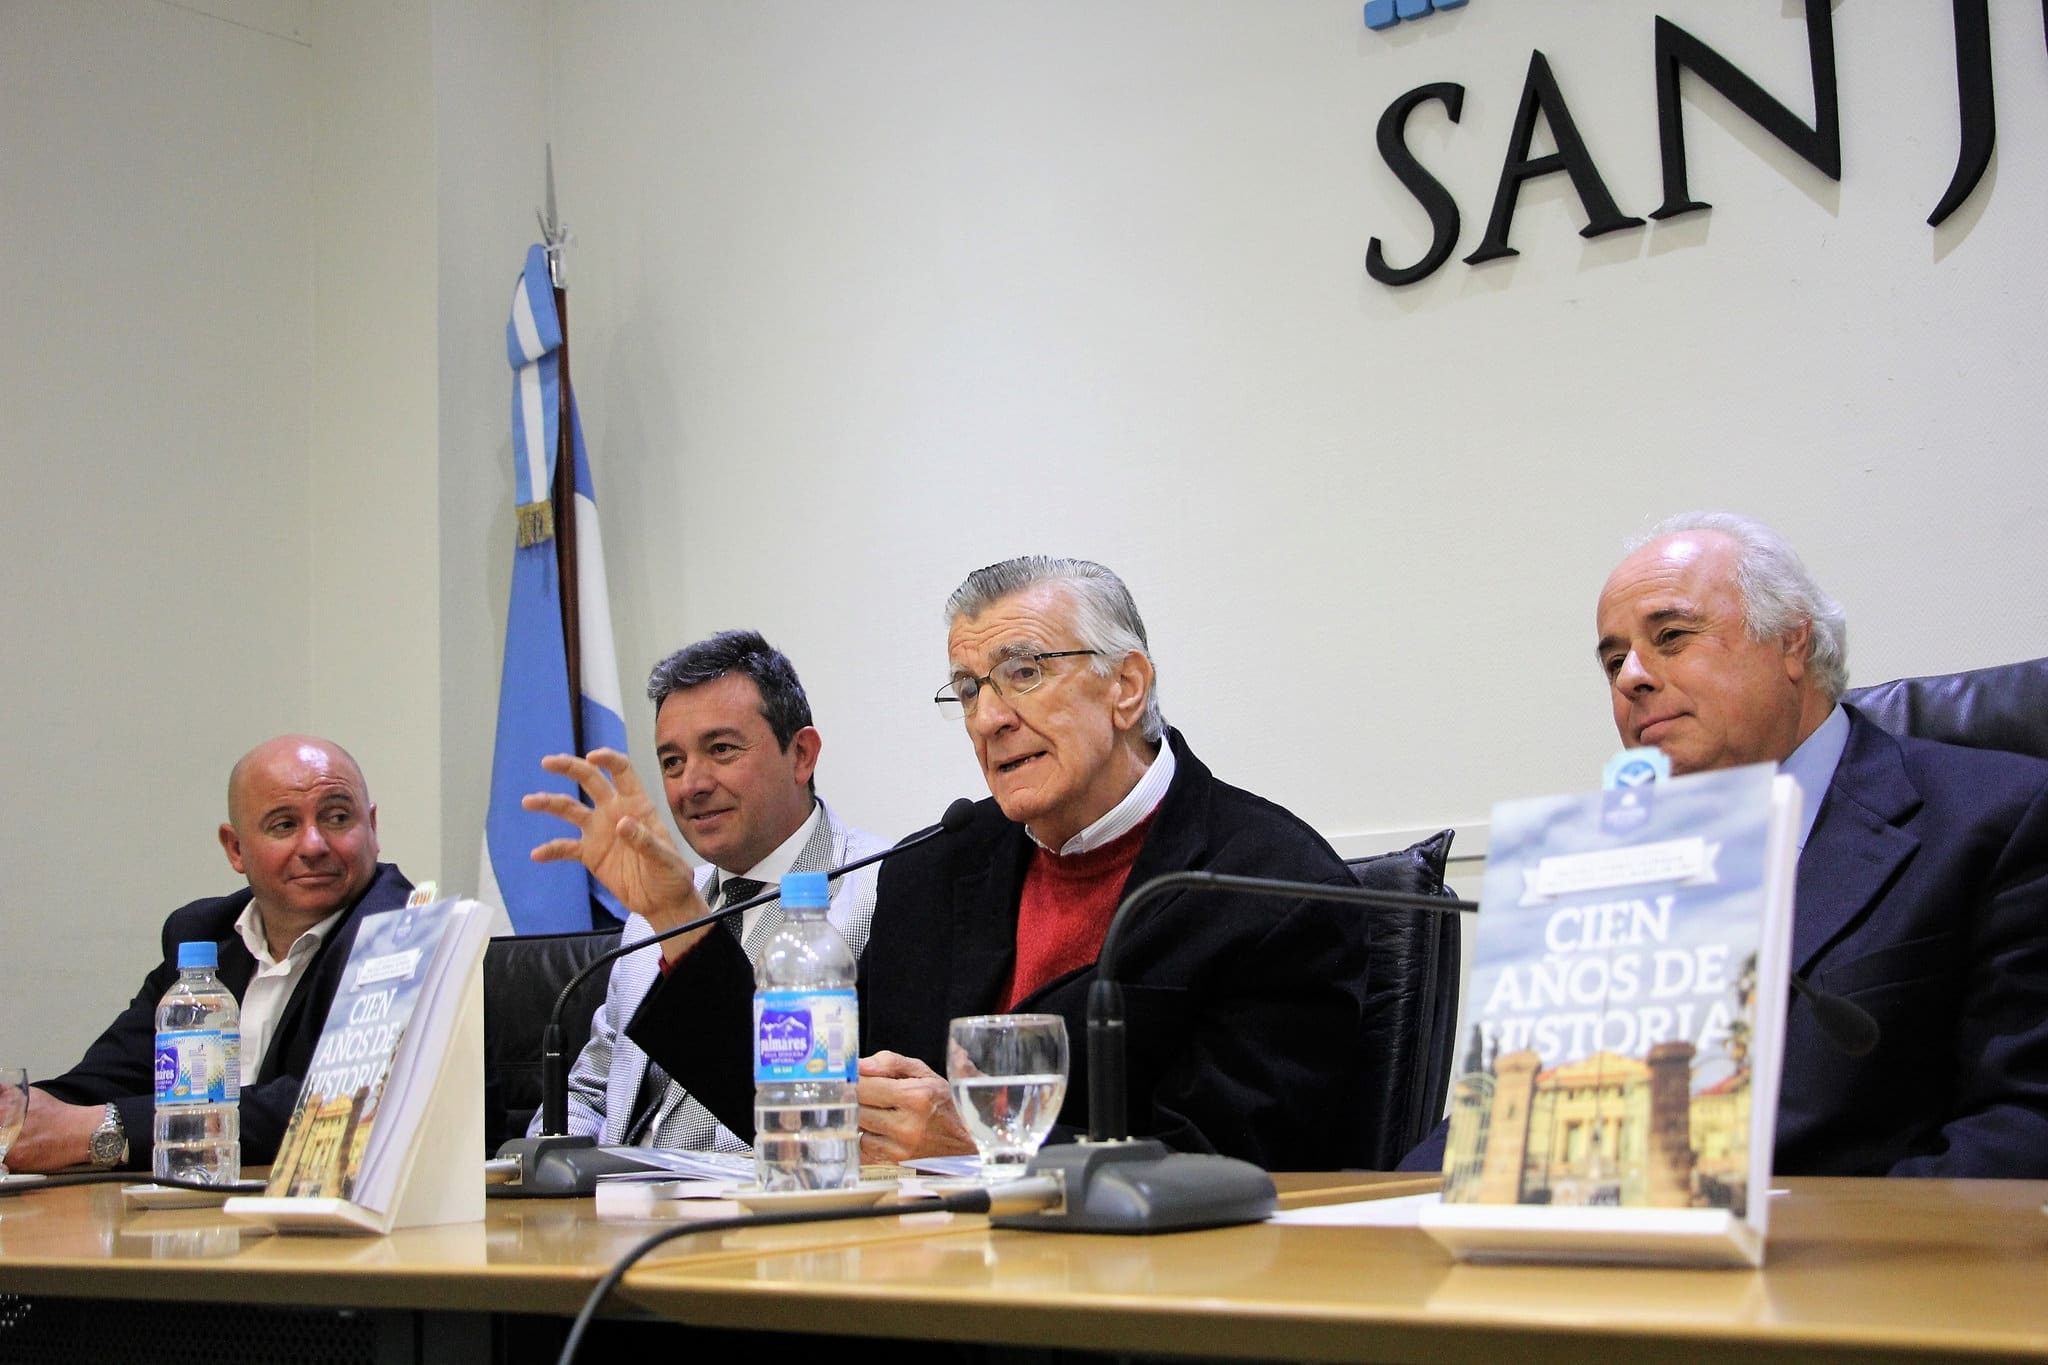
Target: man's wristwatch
x,y
109,1141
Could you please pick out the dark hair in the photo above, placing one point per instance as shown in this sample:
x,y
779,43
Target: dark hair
x,y
783,703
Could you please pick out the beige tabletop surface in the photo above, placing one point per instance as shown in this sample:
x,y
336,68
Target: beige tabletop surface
x,y
1855,1269
527,1255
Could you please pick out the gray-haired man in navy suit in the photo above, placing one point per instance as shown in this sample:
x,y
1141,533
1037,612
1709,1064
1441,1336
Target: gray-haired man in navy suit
x,y
1922,892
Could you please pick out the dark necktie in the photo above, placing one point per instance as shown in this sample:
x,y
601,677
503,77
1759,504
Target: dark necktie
x,y
733,890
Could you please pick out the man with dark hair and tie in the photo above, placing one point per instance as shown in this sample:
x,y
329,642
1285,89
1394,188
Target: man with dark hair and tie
x,y
1245,1014
737,750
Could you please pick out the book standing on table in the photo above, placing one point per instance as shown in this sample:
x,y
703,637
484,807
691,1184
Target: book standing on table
x,y
389,1115
1628,988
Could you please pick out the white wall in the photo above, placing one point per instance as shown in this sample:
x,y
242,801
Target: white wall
x,y
491,99
870,295
373,596
155,367
223,431
865,296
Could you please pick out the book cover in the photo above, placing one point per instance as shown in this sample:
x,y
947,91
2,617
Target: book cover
x,y
322,1152
1626,999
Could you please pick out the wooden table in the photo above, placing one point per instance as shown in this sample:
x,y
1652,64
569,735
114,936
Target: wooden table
x,y
1877,1270
544,1255
439,1293
1856,1269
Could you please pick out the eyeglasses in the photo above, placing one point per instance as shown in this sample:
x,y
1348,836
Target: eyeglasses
x,y
1013,677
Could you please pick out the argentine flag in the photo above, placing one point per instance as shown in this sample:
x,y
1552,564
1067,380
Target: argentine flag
x,y
533,692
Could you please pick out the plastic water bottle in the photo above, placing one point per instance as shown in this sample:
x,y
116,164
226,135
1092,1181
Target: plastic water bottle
x,y
806,1049
198,1074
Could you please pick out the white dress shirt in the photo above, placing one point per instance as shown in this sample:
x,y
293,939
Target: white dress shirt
x,y
270,989
1124,816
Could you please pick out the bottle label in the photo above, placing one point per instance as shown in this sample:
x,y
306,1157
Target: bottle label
x,y
198,1066
805,1036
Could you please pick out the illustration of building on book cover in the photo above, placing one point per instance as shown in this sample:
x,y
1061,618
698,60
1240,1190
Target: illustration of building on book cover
x,y
1614,983
330,1128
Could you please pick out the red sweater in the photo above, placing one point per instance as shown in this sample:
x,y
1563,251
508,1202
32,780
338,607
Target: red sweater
x,y
1066,908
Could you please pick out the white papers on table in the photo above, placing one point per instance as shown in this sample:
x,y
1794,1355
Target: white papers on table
x,y
663,1162
1403,1211
655,1194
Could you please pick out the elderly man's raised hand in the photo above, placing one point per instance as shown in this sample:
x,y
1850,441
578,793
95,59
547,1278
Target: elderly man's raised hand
x,y
621,839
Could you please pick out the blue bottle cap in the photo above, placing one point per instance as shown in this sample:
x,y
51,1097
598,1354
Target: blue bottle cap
x,y
801,891
198,955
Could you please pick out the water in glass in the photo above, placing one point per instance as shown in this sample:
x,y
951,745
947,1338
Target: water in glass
x,y
1008,1073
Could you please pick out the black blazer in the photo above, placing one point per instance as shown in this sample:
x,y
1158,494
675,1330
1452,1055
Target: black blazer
x,y
121,1064
1244,1014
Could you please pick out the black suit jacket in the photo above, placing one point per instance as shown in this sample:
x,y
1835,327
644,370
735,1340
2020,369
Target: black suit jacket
x,y
1244,1014
1922,896
121,1064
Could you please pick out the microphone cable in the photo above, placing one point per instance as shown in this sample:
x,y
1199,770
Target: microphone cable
x,y
1023,1192
56,1179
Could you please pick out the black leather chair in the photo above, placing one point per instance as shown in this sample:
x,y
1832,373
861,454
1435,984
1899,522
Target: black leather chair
x,y
2002,707
523,974
1411,1027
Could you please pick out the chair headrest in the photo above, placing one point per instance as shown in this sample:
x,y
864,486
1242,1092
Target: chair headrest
x,y
1417,869
2002,707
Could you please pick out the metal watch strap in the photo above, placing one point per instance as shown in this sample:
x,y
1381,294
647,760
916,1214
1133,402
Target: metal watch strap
x,y
105,1156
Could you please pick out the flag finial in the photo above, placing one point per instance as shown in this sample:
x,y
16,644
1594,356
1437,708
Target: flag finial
x,y
553,235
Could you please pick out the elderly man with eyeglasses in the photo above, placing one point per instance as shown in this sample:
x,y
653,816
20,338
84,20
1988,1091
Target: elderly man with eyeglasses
x,y
1243,1014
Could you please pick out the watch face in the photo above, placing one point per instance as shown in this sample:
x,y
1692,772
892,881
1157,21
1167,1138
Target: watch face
x,y
109,1143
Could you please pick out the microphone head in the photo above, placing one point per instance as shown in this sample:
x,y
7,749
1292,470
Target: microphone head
x,y
957,815
1847,1025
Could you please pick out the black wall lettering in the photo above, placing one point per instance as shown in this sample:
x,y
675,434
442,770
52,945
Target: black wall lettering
x,y
1429,192
1821,145
1540,94
1975,112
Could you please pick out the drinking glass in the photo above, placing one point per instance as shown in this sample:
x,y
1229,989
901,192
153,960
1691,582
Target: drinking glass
x,y
1009,1075
13,1108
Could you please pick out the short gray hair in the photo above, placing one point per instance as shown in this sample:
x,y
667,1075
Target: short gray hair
x,y
1778,593
1106,617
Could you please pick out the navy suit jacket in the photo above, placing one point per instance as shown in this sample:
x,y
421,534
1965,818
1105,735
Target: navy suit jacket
x,y
1922,896
121,1064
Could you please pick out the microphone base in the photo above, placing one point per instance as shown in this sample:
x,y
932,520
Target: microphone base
x,y
561,1165
1137,1186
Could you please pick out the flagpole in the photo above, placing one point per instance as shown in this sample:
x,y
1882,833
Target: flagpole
x,y
563,494
559,652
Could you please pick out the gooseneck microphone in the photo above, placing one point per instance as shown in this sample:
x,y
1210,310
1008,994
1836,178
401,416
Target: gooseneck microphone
x,y
1847,1024
1107,1090
557,1163
1114,1183
1119,1184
